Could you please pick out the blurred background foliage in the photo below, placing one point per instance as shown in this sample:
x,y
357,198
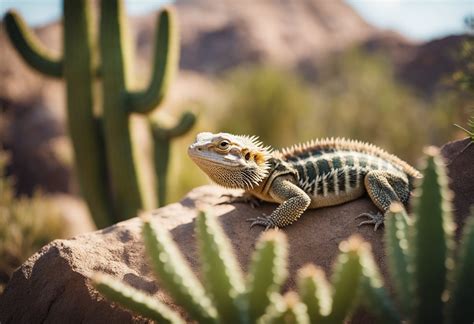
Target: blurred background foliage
x,y
26,224
356,95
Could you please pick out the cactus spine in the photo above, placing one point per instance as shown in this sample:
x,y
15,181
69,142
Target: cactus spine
x,y
105,157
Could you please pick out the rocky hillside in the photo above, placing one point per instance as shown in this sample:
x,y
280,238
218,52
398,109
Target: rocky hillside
x,y
217,36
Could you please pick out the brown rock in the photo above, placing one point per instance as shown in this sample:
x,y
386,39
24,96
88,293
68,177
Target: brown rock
x,y
53,285
459,157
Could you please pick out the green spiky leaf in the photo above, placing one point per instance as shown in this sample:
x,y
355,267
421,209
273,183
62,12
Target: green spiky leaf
x,y
432,240
315,292
396,247
221,272
267,272
135,300
174,274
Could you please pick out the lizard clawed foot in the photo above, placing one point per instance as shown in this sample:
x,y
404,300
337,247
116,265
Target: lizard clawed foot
x,y
376,219
262,221
245,199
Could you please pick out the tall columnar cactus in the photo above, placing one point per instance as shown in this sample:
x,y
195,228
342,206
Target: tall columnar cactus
x,y
431,286
106,159
77,68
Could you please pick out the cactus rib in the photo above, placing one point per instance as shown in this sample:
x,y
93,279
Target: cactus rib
x,y
345,280
221,273
315,292
128,195
175,275
432,240
84,127
30,47
396,246
135,300
267,272
166,58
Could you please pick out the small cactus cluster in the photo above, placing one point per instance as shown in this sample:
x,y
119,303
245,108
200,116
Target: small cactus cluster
x,y
110,173
431,287
226,297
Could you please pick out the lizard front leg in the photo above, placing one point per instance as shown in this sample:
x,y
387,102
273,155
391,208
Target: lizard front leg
x,y
384,188
293,202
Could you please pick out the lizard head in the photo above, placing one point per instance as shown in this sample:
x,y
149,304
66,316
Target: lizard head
x,y
233,161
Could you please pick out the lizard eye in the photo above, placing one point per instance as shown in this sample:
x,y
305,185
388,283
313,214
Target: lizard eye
x,y
247,156
223,144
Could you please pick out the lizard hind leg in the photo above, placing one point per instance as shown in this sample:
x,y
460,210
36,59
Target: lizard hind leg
x,y
384,188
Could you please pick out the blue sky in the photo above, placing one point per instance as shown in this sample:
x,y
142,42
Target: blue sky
x,y
417,19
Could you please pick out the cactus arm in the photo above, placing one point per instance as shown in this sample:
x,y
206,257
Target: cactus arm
x,y
396,247
345,280
175,275
267,272
84,127
162,140
373,294
166,59
221,273
432,240
135,300
462,295
314,291
30,47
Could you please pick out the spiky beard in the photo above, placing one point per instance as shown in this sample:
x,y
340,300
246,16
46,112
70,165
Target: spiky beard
x,y
232,177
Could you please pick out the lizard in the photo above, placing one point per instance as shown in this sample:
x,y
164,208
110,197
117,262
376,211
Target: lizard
x,y
314,174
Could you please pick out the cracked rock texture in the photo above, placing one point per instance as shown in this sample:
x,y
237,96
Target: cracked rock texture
x,y
53,285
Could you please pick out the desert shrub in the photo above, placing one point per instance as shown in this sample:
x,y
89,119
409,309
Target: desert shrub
x,y
26,224
357,95
267,101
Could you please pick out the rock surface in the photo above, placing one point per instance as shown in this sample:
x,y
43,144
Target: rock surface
x,y
53,285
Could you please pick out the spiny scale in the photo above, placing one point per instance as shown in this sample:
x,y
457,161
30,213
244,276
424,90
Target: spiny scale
x,y
317,147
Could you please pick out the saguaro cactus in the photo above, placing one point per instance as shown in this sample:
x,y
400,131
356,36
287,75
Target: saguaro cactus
x,y
105,158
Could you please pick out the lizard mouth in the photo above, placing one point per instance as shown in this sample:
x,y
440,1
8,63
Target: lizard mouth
x,y
199,156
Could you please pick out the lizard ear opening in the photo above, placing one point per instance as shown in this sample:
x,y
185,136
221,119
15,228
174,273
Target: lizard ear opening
x,y
260,157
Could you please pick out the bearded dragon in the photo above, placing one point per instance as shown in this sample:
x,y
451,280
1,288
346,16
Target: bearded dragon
x,y
314,174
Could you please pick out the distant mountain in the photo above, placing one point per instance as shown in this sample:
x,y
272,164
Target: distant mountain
x,y
217,36
220,35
